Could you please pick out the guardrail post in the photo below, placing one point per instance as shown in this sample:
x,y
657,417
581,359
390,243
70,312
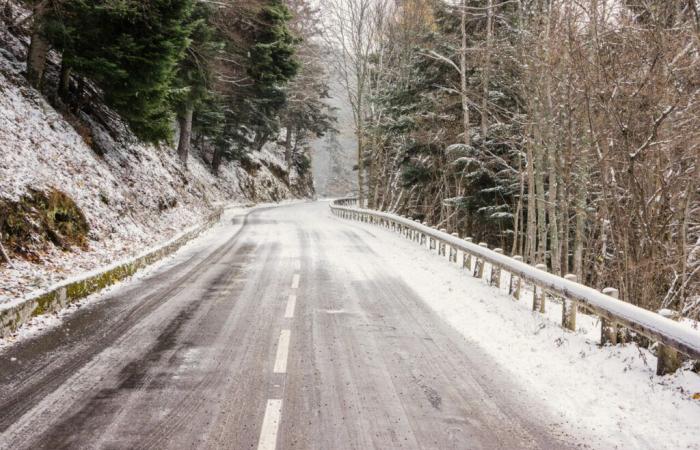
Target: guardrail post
x,y
515,282
609,329
538,296
442,250
667,359
417,234
569,307
467,257
453,249
422,235
480,262
496,271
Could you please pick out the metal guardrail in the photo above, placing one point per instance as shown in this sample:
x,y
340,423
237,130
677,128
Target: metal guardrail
x,y
673,337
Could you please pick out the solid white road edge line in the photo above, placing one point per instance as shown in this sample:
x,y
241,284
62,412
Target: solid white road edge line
x,y
270,425
282,352
295,281
291,306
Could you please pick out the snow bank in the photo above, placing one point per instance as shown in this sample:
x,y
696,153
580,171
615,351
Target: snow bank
x,y
609,395
646,322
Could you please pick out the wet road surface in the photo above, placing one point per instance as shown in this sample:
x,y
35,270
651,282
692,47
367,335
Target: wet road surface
x,y
289,332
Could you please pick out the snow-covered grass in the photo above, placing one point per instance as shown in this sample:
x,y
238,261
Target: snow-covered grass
x,y
609,394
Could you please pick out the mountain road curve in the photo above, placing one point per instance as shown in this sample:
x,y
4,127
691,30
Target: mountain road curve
x,y
286,331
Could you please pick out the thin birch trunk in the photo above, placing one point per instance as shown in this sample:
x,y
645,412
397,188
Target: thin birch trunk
x,y
486,70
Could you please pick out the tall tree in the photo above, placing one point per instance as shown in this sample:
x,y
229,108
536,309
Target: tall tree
x,y
306,113
259,62
355,31
130,50
195,76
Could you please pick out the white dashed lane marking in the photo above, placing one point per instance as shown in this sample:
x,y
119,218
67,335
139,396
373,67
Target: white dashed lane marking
x,y
282,352
291,306
273,410
271,424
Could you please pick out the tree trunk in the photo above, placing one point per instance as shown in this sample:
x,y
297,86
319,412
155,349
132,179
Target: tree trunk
x,y
486,69
371,177
288,153
38,48
531,207
216,159
64,81
580,224
518,210
288,147
541,206
552,211
551,147
360,167
565,227
463,75
4,255
183,147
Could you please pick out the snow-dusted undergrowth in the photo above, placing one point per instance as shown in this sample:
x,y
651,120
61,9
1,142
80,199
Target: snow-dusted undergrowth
x,y
610,394
133,195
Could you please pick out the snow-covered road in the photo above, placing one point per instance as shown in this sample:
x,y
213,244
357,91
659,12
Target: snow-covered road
x,y
301,330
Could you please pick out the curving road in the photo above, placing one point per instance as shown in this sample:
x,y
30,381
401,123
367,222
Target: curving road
x,y
286,331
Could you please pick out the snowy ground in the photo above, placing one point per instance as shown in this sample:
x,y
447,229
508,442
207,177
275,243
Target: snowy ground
x,y
611,394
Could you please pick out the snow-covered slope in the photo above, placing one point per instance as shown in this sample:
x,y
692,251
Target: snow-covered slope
x,y
131,195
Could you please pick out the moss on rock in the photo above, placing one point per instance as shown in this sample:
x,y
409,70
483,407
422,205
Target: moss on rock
x,y
39,217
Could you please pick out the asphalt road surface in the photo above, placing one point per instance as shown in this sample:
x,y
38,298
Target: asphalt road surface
x,y
288,332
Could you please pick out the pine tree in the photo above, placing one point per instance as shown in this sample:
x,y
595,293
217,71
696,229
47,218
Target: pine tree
x,y
194,83
262,49
130,50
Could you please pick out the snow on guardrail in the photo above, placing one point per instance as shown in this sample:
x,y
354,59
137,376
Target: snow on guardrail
x,y
647,323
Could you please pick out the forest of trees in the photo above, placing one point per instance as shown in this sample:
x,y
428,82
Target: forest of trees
x,y
224,76
567,132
